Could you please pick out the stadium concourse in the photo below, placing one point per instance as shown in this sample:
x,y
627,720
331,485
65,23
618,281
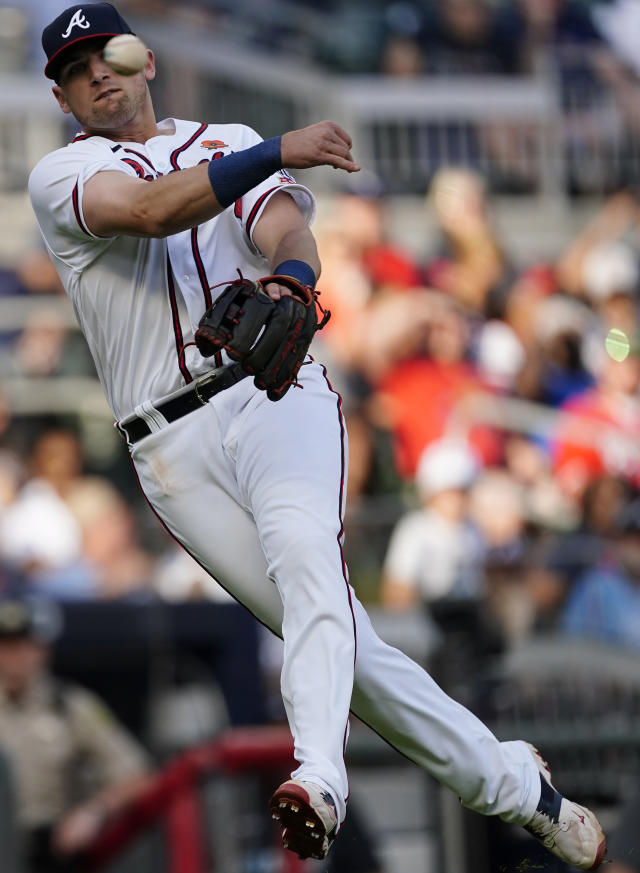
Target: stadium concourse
x,y
483,274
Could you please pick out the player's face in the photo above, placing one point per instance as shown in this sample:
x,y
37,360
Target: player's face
x,y
99,98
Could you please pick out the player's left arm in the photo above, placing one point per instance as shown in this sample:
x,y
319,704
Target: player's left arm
x,y
282,234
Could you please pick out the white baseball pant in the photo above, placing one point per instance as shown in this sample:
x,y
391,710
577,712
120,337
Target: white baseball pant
x,y
254,490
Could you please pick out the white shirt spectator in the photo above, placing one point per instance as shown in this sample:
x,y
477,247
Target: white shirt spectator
x,y
39,529
438,556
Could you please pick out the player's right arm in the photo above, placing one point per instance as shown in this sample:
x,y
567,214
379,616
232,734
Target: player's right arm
x,y
115,203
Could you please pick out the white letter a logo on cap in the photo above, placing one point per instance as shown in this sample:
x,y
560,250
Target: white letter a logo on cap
x,y
78,20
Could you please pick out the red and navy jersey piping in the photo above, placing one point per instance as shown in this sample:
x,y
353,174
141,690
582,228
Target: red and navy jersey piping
x,y
142,158
75,199
175,154
256,208
204,282
202,273
177,329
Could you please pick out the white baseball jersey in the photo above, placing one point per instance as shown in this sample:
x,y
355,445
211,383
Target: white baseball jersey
x,y
126,289
254,490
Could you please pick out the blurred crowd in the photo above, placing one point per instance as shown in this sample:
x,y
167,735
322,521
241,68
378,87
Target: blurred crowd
x,y
580,54
497,402
508,396
396,37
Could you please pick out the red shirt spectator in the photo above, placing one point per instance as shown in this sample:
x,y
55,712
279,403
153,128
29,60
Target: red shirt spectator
x,y
420,394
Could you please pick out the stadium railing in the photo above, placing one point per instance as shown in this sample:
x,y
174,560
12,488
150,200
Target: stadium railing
x,y
579,701
519,131
31,125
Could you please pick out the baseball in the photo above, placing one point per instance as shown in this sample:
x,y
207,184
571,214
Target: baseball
x,y
125,54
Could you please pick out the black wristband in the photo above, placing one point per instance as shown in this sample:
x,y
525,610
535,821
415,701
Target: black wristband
x,y
235,174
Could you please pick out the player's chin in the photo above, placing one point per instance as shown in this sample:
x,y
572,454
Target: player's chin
x,y
114,110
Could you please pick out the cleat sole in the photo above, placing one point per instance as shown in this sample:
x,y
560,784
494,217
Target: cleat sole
x,y
304,831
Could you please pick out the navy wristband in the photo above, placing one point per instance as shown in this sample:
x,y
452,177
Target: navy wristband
x,y
235,174
299,270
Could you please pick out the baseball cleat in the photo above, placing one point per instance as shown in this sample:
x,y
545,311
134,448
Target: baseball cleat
x,y
307,816
569,831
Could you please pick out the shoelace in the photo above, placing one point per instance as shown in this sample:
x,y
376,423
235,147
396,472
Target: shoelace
x,y
544,827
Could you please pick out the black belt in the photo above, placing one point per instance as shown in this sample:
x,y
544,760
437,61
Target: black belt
x,y
183,404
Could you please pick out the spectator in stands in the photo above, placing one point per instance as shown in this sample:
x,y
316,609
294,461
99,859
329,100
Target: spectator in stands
x,y
472,265
375,321
33,274
115,564
527,459
616,219
514,507
564,27
12,475
569,554
604,602
73,536
560,36
420,395
497,509
73,766
352,36
598,433
554,369
520,300
601,266
402,57
611,282
359,262
38,532
435,552
499,355
464,37
46,348
599,275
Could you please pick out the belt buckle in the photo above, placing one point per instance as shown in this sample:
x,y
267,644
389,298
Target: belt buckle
x,y
201,384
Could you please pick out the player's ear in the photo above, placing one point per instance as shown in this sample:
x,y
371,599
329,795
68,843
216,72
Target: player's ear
x,y
59,95
150,66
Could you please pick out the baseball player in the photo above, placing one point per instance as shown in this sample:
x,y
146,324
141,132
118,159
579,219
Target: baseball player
x,y
148,222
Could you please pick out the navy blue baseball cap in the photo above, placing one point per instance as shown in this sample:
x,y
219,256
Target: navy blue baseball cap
x,y
77,23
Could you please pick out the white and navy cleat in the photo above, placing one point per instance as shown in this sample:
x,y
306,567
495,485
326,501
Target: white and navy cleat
x,y
569,831
307,816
